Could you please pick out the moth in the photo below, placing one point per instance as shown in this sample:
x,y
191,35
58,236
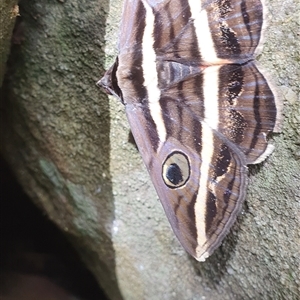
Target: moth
x,y
198,106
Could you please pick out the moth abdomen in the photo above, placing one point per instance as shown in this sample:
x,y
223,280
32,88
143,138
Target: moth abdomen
x,y
171,73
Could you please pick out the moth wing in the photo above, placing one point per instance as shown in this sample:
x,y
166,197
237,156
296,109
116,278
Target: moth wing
x,y
214,173
197,31
247,108
236,27
196,121
235,100
218,119
134,20
173,28
132,26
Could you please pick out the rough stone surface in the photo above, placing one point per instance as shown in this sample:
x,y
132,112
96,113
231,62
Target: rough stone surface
x,y
9,10
69,146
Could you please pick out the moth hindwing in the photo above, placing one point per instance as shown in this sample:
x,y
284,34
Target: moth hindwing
x,y
198,106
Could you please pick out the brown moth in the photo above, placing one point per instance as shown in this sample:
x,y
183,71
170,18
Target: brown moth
x,y
198,106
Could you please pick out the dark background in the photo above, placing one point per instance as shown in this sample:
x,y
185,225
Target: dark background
x,y
33,252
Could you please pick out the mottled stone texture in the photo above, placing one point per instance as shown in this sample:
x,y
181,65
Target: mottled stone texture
x,y
68,144
9,10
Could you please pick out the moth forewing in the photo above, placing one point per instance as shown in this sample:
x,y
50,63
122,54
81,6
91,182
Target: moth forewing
x,y
198,107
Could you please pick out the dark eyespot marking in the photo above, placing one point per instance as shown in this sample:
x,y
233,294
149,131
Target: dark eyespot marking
x,y
176,170
174,174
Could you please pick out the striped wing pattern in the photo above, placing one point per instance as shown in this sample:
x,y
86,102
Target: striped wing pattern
x,y
198,106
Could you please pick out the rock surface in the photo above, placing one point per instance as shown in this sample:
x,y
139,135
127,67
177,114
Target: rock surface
x,y
9,11
68,144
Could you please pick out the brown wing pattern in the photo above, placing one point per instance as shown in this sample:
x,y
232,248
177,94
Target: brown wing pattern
x,y
235,26
199,108
202,210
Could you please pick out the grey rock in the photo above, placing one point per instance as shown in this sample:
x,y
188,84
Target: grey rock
x,y
68,144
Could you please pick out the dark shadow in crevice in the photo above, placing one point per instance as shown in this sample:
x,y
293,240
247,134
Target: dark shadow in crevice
x,y
31,245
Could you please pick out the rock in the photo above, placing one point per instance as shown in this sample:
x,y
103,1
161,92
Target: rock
x,y
68,144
